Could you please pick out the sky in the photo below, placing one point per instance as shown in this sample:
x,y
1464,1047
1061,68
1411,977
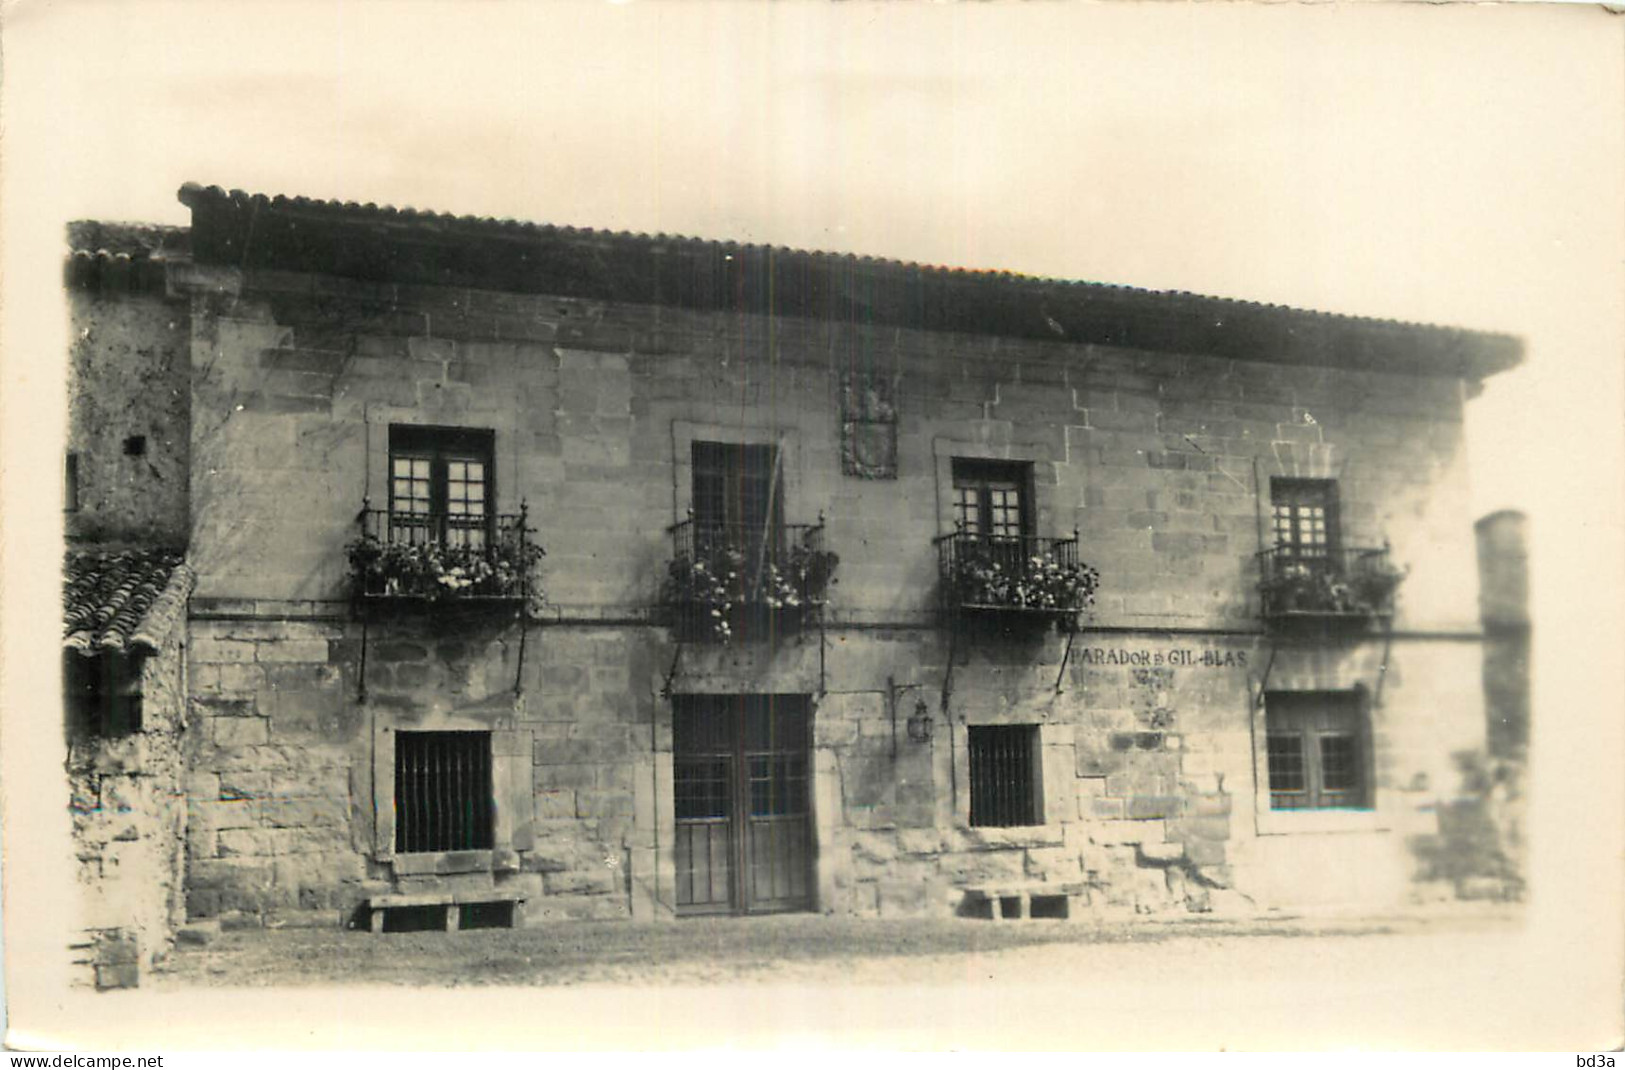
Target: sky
x,y
1446,163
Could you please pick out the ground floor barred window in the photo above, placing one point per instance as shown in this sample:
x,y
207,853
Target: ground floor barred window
x,y
1004,777
442,791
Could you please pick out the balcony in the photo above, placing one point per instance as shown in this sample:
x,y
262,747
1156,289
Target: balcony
x,y
445,560
1348,586
730,581
1014,576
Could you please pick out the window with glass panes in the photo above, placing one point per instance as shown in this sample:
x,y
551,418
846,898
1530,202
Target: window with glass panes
x,y
736,486
990,497
1304,515
440,486
1316,751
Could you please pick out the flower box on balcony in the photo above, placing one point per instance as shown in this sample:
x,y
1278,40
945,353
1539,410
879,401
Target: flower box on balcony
x,y
1349,586
1013,576
440,561
727,581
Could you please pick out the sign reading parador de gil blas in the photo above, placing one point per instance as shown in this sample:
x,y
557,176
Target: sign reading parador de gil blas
x,y
1183,658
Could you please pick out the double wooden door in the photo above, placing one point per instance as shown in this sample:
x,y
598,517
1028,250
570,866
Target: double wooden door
x,y
741,781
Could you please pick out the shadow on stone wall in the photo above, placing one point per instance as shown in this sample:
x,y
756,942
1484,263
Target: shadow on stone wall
x,y
1478,852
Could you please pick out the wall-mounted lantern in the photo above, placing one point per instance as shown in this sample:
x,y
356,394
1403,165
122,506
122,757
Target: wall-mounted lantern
x,y
919,722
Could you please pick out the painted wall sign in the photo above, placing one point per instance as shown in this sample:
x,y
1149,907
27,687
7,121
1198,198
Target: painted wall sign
x,y
1182,658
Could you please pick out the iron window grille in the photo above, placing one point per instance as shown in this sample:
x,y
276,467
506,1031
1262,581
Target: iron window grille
x,y
443,796
1317,751
1004,778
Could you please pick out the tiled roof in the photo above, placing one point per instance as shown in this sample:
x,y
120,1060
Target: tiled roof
x,y
386,244
122,256
138,241
115,600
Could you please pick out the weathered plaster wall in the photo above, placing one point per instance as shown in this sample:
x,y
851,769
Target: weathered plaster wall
x,y
130,364
129,830
1161,462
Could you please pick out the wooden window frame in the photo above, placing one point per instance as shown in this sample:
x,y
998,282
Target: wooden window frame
x,y
1294,494
979,474
731,462
1310,719
441,447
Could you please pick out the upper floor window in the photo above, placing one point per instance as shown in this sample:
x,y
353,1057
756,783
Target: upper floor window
x,y
1316,751
736,487
1304,516
992,498
440,486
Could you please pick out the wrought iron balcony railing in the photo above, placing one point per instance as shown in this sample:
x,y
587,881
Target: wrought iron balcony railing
x,y
1014,574
439,557
1345,584
736,581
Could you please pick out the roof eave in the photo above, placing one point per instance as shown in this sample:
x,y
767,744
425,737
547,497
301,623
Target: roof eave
x,y
383,244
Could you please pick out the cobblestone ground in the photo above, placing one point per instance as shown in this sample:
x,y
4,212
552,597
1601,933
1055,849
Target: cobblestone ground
x,y
1453,981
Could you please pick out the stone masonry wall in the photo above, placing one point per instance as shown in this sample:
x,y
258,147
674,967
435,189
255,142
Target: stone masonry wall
x,y
1161,462
129,830
130,375
285,779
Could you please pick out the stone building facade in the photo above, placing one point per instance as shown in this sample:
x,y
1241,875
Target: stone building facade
x,y
815,528
125,592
